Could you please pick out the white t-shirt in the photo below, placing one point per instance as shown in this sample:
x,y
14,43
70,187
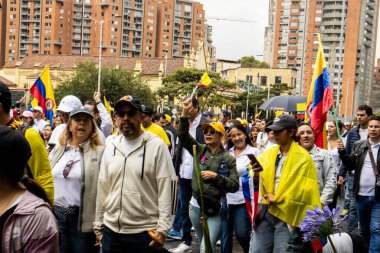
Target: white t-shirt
x,y
132,145
67,191
367,177
363,133
187,164
242,162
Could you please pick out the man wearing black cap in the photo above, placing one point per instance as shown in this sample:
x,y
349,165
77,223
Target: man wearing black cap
x,y
38,166
136,187
149,126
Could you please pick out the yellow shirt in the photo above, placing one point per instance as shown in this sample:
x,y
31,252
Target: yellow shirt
x,y
159,131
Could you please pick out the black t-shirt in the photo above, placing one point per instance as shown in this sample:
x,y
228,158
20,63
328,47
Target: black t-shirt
x,y
3,219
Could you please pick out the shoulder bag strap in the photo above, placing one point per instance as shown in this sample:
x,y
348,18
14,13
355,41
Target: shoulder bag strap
x,y
374,166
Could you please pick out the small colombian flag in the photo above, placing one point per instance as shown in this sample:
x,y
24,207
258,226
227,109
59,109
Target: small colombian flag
x,y
205,81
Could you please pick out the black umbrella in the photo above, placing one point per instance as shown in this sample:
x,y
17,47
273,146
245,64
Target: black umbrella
x,y
283,103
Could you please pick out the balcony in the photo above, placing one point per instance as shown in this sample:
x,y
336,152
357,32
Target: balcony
x,y
136,6
58,43
104,3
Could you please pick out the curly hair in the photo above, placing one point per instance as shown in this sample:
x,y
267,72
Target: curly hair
x,y
94,138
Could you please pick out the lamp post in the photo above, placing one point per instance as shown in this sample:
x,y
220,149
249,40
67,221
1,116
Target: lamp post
x,y
246,110
101,22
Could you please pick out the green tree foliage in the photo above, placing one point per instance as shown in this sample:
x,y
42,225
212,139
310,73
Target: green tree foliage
x,y
251,62
115,84
181,83
258,96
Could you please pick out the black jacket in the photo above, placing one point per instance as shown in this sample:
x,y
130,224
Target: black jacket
x,y
355,161
199,137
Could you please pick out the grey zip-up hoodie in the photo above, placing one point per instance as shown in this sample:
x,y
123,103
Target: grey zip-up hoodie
x,y
136,191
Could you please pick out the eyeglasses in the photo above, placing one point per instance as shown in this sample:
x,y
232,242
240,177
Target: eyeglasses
x,y
122,114
211,131
67,168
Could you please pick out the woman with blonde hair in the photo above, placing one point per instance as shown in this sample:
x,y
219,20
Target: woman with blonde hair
x,y
76,162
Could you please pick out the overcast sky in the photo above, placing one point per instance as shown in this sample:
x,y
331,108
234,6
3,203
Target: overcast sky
x,y
236,39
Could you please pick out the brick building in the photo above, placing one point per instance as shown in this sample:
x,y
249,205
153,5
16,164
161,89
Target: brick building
x,y
132,28
375,89
348,30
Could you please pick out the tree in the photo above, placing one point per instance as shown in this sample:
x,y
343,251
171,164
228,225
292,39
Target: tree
x,y
182,82
258,96
115,83
251,62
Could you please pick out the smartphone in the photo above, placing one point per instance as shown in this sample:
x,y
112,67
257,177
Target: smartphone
x,y
258,167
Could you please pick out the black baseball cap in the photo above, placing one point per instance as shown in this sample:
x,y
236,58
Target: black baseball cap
x,y
15,150
284,121
147,110
5,93
128,100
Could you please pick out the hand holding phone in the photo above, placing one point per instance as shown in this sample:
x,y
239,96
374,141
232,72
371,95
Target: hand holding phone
x,y
255,163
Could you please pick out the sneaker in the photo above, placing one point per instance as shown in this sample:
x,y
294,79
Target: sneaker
x,y
182,248
218,243
174,234
344,213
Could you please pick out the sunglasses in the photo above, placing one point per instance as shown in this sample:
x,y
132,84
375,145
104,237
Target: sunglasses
x,y
210,131
67,168
122,114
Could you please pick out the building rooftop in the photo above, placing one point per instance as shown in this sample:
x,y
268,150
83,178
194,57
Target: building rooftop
x,y
7,82
149,66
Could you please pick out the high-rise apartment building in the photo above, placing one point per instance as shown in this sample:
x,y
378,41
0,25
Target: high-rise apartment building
x,y
375,89
131,28
348,30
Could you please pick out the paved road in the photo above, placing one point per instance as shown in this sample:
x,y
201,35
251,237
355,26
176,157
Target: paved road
x,y
172,244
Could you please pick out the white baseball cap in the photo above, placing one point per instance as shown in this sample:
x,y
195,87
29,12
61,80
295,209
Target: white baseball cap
x,y
38,108
68,104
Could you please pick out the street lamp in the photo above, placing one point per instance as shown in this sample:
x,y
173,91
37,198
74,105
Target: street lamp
x,y
101,22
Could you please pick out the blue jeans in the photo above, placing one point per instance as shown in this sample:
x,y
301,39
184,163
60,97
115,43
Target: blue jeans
x,y
177,218
71,239
235,218
352,212
214,225
124,243
271,235
185,193
369,217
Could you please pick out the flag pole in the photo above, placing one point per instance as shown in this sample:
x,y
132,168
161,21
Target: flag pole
x,y
336,123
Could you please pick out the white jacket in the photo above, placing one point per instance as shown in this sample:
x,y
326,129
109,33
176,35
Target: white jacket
x,y
136,192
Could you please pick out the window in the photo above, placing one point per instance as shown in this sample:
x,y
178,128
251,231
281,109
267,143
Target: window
x,y
150,20
12,37
12,16
150,14
263,80
249,79
150,27
49,9
278,79
12,9
149,34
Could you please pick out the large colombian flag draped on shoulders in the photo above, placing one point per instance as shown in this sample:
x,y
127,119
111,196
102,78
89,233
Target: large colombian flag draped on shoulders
x,y
320,98
42,91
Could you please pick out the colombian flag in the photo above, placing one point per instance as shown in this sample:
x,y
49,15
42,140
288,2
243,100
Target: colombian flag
x,y
250,193
42,91
205,81
320,98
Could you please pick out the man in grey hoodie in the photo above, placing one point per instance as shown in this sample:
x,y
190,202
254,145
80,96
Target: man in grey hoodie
x,y
136,187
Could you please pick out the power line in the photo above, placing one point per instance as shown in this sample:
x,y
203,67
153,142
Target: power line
x,y
230,19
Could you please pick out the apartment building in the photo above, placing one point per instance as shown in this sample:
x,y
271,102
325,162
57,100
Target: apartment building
x,y
375,89
131,28
348,31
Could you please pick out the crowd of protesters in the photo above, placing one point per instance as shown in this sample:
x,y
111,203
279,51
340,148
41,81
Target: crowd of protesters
x,y
92,182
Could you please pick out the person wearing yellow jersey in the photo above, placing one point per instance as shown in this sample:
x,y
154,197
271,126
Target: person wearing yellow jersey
x,y
38,167
288,187
148,126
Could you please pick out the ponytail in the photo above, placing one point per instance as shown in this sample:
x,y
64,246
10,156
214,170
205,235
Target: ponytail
x,y
35,189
